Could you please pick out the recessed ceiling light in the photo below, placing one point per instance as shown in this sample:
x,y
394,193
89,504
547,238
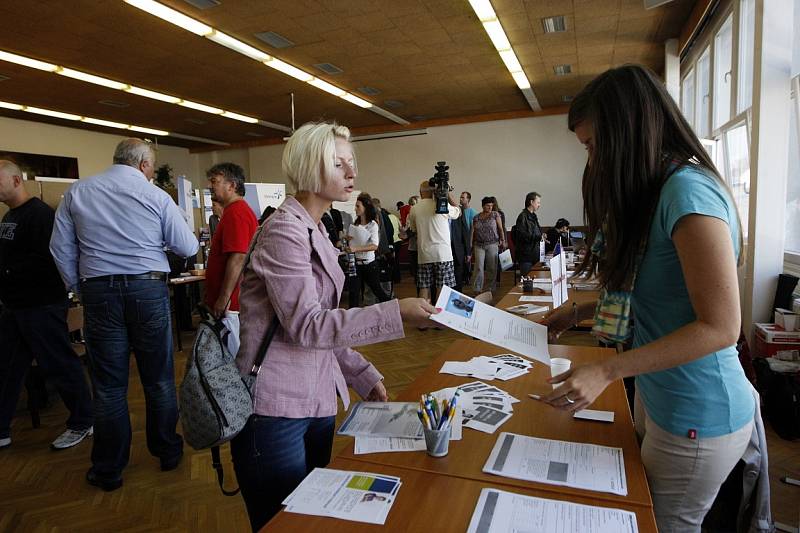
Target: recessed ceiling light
x,y
562,70
369,91
419,118
203,4
4,78
195,121
113,103
393,104
554,24
273,39
254,134
328,68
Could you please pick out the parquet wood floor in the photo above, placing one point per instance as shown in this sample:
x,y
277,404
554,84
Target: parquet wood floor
x,y
41,490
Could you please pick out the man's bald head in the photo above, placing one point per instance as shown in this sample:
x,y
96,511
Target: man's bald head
x,y
12,192
425,190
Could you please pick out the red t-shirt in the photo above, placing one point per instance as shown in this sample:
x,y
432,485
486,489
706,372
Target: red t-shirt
x,y
236,228
404,211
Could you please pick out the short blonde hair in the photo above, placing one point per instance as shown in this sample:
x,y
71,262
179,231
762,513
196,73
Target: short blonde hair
x,y
310,154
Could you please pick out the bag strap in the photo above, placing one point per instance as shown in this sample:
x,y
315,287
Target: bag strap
x,y
273,326
216,462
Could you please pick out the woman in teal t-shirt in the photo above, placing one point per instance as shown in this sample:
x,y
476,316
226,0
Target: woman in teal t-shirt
x,y
666,237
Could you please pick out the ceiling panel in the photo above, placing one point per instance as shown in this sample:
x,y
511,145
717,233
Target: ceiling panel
x,y
432,56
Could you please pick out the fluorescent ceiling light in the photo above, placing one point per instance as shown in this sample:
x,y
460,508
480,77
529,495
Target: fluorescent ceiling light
x,y
497,35
173,17
9,105
91,78
201,107
486,14
511,61
27,62
219,37
327,87
49,113
154,95
554,24
237,116
521,80
353,99
106,123
483,8
151,131
238,46
288,69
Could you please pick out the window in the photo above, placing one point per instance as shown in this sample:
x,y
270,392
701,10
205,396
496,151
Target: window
x,y
793,179
688,97
737,169
723,50
747,22
703,128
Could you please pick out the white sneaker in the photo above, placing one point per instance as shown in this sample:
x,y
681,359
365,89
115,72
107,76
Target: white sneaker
x,y
70,438
5,442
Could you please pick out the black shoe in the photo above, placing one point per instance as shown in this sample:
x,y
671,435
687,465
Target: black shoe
x,y
171,464
104,483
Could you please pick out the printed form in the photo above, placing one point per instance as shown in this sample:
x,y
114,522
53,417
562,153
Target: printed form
x,y
482,321
499,511
557,462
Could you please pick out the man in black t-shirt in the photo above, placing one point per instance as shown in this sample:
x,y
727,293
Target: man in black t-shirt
x,y
33,321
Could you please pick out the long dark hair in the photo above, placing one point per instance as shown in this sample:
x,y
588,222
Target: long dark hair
x,y
640,139
370,213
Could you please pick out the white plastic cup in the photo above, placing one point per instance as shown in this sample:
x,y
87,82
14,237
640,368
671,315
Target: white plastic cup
x,y
558,365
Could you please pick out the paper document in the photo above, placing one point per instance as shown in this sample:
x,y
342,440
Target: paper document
x,y
558,273
366,445
382,419
499,511
356,496
477,319
556,462
483,407
540,299
591,414
527,309
359,234
504,367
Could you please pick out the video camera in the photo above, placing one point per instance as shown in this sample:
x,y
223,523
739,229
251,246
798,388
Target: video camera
x,y
440,182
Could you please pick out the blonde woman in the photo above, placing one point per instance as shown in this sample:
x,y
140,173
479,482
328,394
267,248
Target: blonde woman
x,y
294,275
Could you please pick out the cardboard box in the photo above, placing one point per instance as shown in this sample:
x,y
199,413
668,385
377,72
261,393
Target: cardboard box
x,y
786,319
769,339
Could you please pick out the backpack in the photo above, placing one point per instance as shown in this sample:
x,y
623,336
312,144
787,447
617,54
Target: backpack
x,y
215,401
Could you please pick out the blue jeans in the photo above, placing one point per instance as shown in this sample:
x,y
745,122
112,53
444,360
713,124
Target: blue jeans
x,y
272,455
41,333
121,314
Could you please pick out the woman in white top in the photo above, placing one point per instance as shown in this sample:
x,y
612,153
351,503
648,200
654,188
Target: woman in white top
x,y
364,249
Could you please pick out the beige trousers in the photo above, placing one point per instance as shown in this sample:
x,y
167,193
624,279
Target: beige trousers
x,y
685,474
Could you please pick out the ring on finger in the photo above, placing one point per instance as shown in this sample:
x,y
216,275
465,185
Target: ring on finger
x,y
570,400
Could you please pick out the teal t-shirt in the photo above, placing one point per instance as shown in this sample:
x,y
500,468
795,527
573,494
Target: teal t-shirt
x,y
710,395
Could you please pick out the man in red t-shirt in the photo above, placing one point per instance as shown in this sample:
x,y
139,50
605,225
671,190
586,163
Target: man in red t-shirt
x,y
231,241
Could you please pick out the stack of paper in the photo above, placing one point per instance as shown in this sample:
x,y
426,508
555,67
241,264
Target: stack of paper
x,y
504,367
356,496
527,309
500,512
391,426
484,407
556,462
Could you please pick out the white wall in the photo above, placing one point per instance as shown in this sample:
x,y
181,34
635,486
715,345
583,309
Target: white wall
x,y
506,159
93,150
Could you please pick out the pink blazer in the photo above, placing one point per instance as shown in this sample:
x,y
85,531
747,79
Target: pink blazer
x,y
310,360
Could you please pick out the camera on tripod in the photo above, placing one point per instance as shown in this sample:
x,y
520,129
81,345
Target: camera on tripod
x,y
440,182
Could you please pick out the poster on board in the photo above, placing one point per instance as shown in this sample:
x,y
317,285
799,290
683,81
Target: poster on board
x,y
260,195
185,199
